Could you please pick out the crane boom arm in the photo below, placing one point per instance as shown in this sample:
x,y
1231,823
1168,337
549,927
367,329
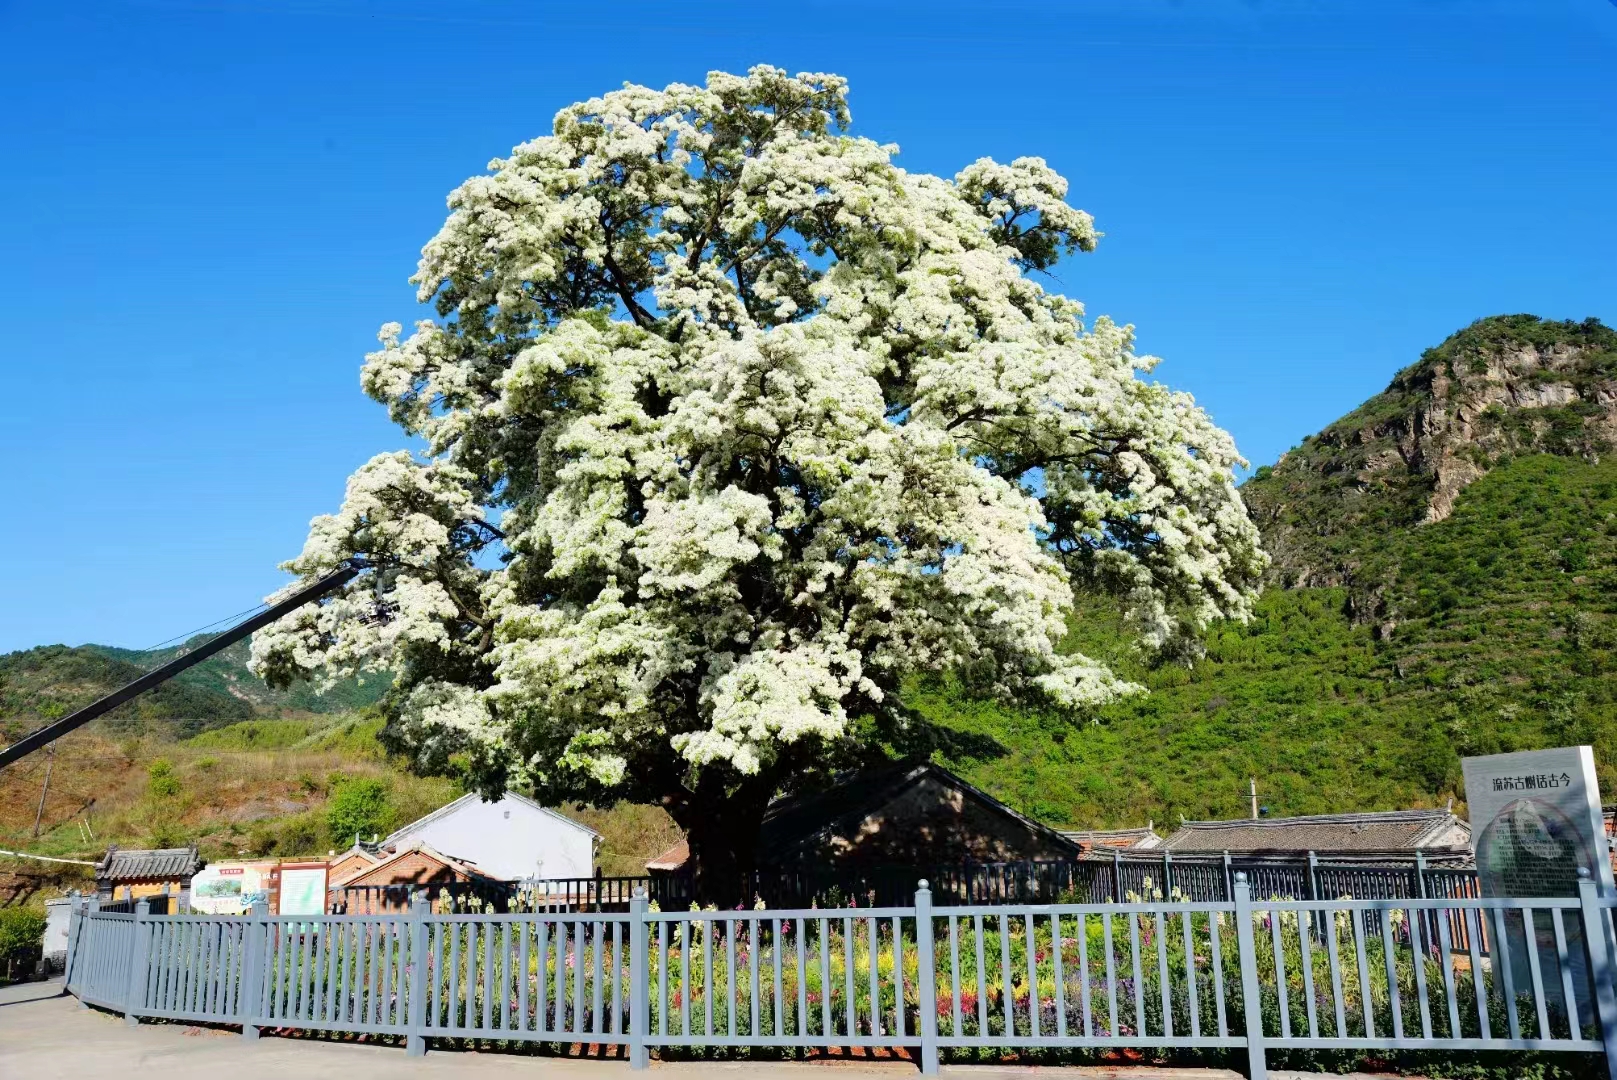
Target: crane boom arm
x,y
51,732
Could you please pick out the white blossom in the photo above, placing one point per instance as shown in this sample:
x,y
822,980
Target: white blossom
x,y
767,424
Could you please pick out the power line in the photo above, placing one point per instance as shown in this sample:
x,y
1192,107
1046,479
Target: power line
x,y
202,629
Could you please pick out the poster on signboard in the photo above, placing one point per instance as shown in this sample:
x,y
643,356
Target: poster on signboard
x,y
229,888
303,889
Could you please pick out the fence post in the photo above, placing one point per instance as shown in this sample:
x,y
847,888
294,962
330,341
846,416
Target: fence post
x,y
1600,964
639,983
1316,919
75,920
135,988
1229,880
1117,876
415,1038
93,907
255,947
1256,1067
926,978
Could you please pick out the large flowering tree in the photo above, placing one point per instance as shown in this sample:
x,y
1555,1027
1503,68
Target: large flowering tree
x,y
730,425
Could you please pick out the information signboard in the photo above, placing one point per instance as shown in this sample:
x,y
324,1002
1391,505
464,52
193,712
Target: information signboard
x,y
229,888
303,889
1535,819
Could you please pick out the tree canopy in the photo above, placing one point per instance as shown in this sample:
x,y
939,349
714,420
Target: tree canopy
x,y
731,425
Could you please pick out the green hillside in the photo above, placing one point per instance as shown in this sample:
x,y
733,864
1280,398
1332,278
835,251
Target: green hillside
x,y
41,684
1488,629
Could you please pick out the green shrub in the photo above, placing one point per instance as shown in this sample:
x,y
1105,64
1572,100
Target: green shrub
x,y
262,840
162,783
22,930
363,806
301,835
167,833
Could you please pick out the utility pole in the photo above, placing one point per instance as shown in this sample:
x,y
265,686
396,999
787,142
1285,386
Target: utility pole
x,y
1252,785
50,763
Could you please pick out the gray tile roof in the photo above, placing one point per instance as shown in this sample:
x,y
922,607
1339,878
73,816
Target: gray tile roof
x,y
792,820
1391,830
147,864
1143,837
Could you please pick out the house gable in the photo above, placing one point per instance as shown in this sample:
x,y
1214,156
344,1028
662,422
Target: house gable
x,y
415,865
909,815
349,863
512,838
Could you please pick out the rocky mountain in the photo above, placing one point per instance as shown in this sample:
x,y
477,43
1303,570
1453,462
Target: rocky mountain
x,y
1337,509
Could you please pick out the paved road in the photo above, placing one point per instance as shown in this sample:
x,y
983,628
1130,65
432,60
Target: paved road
x,y
45,1036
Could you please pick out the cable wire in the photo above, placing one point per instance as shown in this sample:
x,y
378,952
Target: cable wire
x,y
201,629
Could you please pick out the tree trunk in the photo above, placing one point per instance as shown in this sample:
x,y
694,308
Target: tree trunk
x,y
722,830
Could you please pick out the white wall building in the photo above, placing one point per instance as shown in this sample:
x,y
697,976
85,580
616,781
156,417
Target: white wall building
x,y
511,839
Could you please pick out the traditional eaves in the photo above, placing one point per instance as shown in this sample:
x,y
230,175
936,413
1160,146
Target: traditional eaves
x,y
1143,837
1385,831
148,864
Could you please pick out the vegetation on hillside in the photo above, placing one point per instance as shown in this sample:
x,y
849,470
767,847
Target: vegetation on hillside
x,y
269,787
1510,643
45,683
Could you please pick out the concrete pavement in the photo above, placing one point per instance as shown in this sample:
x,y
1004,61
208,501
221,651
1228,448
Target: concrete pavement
x,y
46,1036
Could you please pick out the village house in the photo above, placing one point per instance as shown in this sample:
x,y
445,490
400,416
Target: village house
x,y
390,884
1437,833
512,838
345,864
903,815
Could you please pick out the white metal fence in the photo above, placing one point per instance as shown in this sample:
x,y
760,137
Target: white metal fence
x,y
1417,974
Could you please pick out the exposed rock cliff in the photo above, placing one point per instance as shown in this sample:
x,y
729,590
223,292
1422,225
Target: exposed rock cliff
x,y
1331,509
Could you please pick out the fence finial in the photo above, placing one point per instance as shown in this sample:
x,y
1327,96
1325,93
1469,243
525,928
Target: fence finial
x,y
1240,877
1583,873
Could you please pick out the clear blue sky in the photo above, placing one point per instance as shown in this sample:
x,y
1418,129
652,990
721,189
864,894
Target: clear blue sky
x,y
211,206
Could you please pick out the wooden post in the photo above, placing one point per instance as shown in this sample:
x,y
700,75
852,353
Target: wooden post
x,y
50,766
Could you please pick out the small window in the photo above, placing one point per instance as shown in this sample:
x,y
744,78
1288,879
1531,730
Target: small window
x,y
508,814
